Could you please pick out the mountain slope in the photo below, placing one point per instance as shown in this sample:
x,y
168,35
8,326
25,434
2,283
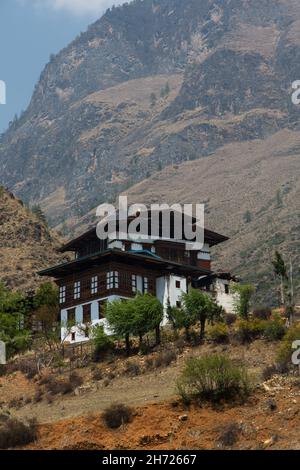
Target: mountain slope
x,y
82,131
26,245
157,83
253,199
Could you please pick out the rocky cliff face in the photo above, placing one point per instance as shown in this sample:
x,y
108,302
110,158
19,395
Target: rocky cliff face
x,y
26,245
152,84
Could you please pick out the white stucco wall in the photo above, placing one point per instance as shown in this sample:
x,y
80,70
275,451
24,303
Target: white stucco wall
x,y
80,337
2,353
166,291
223,299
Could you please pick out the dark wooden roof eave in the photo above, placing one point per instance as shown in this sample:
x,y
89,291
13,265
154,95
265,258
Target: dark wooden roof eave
x,y
210,237
116,255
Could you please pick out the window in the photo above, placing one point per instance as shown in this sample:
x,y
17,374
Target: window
x,y
178,304
62,294
145,285
94,285
112,280
77,290
86,314
134,283
226,289
71,316
178,284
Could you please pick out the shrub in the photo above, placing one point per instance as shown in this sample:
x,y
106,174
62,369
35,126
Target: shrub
x,y
97,374
247,331
3,370
262,313
165,358
14,433
213,378
180,345
149,363
58,386
229,435
132,368
230,318
27,366
116,415
102,342
75,380
269,372
111,375
284,356
144,349
38,396
275,330
219,333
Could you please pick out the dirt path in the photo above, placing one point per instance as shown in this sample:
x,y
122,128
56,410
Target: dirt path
x,y
147,388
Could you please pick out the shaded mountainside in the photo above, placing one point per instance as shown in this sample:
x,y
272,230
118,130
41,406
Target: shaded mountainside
x,y
26,245
251,192
166,89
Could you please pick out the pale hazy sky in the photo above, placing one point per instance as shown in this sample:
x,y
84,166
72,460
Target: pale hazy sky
x,y
31,30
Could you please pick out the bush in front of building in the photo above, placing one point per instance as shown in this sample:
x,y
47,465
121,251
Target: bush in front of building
x,y
219,333
180,318
230,318
275,329
262,313
249,330
213,378
102,342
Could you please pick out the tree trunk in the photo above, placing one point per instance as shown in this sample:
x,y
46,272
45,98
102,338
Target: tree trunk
x,y
282,291
202,327
140,340
157,334
187,334
127,341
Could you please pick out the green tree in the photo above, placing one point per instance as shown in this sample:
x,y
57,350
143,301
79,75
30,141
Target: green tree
x,y
13,312
153,99
279,198
247,217
149,314
280,271
46,313
121,317
180,318
165,91
135,317
38,212
243,296
201,306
